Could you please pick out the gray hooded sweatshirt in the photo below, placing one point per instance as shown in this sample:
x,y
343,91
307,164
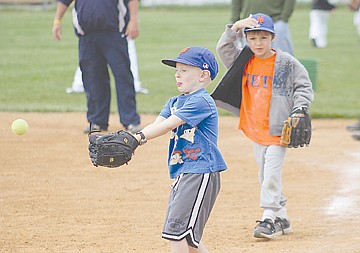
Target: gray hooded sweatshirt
x,y
291,87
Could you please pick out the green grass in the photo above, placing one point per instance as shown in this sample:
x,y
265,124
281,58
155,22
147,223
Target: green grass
x,y
35,69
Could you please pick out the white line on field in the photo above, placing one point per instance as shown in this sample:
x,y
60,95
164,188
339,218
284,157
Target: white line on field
x,y
347,199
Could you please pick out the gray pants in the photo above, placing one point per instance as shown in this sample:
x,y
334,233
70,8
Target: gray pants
x,y
270,161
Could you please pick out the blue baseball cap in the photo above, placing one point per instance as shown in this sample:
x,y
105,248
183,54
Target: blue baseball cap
x,y
196,56
265,23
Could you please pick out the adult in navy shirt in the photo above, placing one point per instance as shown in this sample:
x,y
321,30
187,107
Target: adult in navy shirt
x,y
102,28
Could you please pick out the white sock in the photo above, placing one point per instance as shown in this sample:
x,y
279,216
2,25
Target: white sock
x,y
268,214
282,213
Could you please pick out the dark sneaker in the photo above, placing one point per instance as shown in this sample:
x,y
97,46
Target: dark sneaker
x,y
282,226
356,136
133,128
265,229
354,127
95,128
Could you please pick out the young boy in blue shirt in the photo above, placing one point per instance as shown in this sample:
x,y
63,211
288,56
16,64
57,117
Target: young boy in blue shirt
x,y
194,159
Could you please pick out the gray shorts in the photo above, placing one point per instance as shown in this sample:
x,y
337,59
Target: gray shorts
x,y
191,200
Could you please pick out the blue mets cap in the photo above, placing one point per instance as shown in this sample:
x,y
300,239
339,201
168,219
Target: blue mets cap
x,y
196,56
265,23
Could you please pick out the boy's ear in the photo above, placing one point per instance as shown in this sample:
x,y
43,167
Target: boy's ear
x,y
205,74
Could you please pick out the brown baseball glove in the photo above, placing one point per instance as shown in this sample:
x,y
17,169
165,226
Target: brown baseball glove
x,y
297,129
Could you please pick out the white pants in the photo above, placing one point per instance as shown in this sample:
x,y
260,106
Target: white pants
x,y
270,161
319,27
78,86
134,64
357,21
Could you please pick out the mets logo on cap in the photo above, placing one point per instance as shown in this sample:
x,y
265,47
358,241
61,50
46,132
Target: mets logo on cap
x,y
184,50
260,19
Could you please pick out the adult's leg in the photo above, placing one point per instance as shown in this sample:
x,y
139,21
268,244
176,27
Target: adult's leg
x,y
96,80
282,39
357,21
319,27
235,10
314,26
324,16
134,64
77,84
115,49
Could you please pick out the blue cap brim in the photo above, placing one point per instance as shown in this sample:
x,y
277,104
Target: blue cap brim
x,y
258,29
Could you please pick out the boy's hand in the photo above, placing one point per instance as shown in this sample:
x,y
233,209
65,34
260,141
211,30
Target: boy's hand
x,y
245,23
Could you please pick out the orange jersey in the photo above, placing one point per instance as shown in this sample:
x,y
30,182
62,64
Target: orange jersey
x,y
256,96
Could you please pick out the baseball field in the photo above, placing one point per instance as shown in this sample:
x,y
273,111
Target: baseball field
x,y
53,200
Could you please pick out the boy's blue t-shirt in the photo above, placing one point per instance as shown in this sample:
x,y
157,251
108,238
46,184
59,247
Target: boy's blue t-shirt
x,y
193,145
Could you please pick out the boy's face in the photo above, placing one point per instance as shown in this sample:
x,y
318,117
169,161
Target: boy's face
x,y
188,78
260,43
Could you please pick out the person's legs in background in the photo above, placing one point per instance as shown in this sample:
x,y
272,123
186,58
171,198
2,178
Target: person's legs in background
x,y
319,27
96,81
357,21
77,85
356,126
114,47
135,68
282,39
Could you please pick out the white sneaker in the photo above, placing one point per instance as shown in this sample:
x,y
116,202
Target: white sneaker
x,y
143,91
72,90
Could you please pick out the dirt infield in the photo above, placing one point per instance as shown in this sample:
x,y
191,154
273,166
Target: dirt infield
x,y
53,200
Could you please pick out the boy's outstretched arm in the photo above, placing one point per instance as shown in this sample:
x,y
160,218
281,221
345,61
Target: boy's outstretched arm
x,y
160,127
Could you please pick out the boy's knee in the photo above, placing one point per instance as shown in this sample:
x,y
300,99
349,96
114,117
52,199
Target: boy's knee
x,y
181,246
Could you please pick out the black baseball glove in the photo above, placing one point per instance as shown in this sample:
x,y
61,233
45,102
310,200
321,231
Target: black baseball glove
x,y
297,129
113,149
